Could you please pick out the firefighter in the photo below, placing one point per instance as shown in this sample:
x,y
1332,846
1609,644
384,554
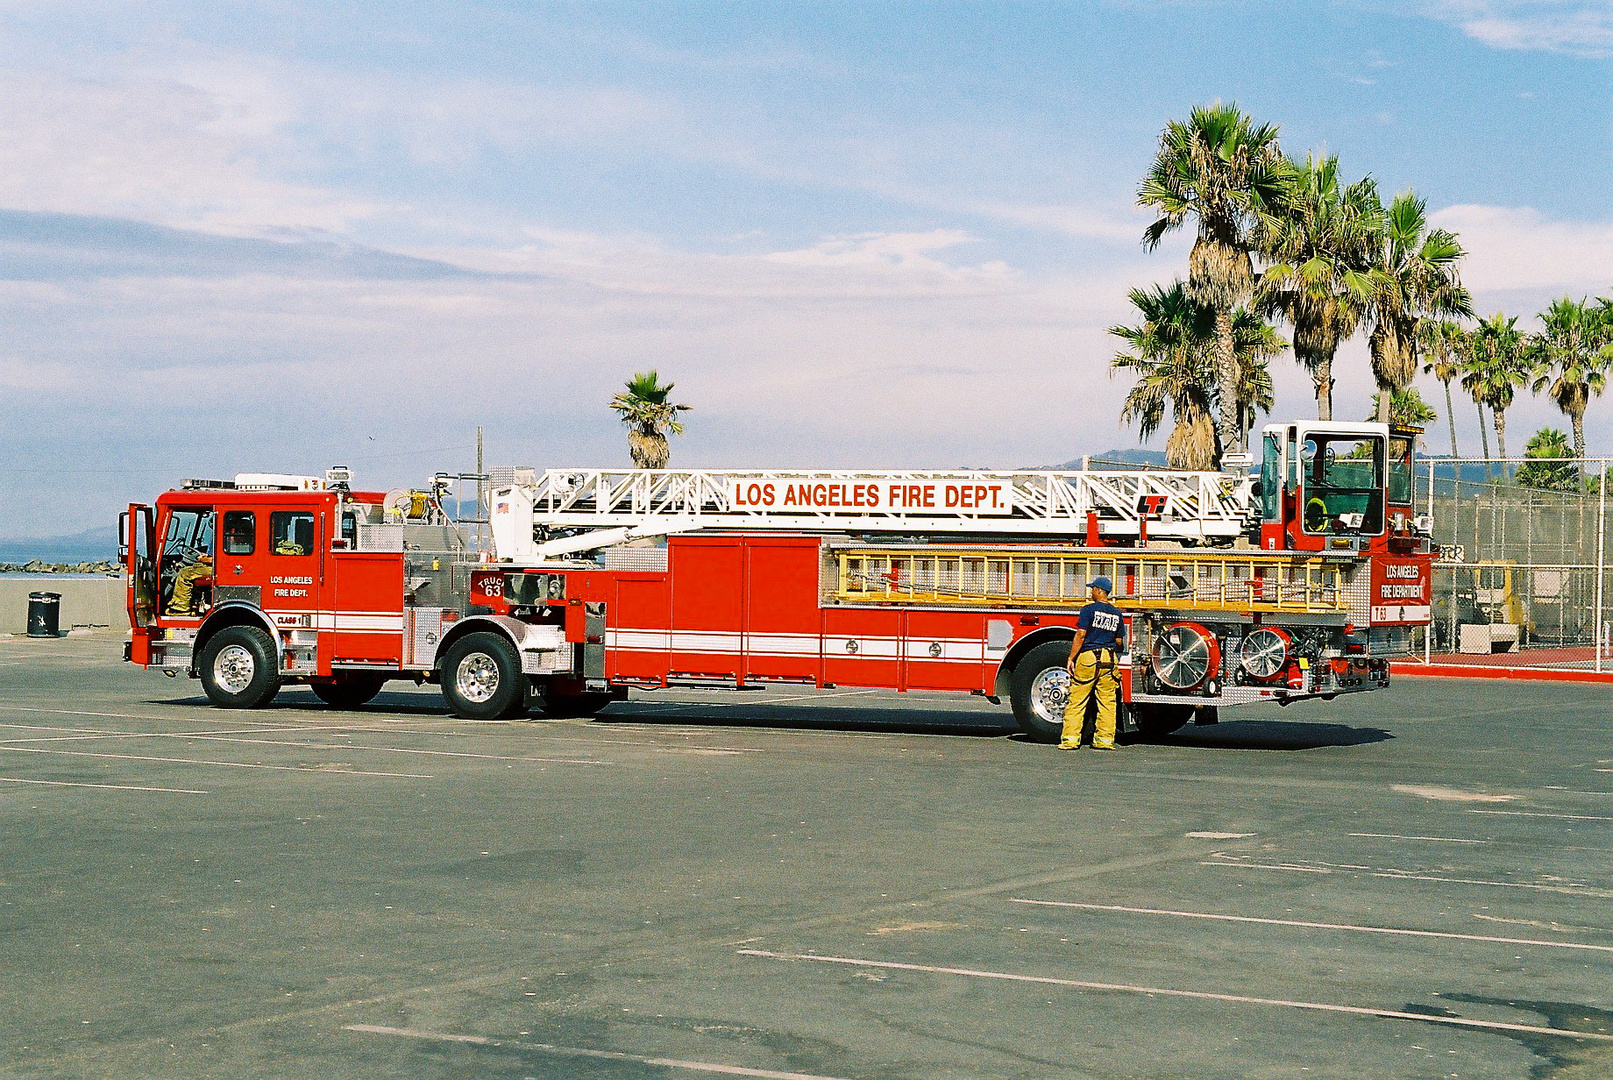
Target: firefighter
x,y
181,603
1092,665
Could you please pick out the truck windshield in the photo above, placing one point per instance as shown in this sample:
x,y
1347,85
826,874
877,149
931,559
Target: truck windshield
x,y
190,532
1343,479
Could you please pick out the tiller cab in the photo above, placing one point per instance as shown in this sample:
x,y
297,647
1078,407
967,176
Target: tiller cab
x,y
1300,581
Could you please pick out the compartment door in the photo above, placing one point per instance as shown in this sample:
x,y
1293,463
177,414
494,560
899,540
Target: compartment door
x,y
782,640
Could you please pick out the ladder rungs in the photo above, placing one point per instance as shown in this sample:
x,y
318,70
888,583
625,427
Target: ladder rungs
x,y
1164,581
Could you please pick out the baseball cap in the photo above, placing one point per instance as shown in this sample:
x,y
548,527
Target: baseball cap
x,y
1101,582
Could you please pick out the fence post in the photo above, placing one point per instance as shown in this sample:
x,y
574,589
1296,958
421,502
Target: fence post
x,y
1601,557
1428,631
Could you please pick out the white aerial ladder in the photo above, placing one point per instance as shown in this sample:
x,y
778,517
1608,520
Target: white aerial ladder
x,y
536,516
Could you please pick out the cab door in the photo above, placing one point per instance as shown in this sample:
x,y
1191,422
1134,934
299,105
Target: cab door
x,y
292,560
241,573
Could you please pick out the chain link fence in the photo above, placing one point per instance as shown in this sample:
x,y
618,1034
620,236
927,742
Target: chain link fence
x,y
1523,578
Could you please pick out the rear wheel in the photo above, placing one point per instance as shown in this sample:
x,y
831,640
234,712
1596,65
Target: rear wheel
x,y
240,668
481,677
1156,721
348,692
1040,688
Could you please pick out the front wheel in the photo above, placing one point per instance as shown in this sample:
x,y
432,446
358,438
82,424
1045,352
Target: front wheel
x,y
1040,688
240,668
481,677
349,692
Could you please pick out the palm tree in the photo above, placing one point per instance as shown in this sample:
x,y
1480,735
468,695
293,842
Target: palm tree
x,y
1228,174
1408,409
1319,278
1167,350
1414,276
649,416
1172,350
1495,367
1556,472
1469,348
1569,357
1444,343
1254,342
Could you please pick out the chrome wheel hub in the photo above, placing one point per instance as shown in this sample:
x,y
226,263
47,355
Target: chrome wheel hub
x,y
1050,693
476,678
233,669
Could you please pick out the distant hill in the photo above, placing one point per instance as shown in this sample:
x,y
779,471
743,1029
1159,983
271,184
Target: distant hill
x,y
92,544
1135,456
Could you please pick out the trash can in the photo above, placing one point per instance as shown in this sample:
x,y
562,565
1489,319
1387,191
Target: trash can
x,y
44,614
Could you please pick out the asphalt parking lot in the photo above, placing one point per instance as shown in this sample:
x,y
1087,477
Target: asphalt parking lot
x,y
787,884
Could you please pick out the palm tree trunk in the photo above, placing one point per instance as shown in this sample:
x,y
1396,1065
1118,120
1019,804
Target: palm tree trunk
x,y
1226,378
1322,376
1484,439
1579,443
1385,399
1500,416
1450,415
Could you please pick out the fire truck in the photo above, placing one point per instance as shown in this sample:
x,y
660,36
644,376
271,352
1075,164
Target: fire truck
x,y
1297,580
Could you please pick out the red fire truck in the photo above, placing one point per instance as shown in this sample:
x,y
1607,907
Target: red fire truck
x,y
1298,581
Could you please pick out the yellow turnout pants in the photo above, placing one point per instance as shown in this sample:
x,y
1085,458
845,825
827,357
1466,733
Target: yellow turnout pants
x,y
185,587
1094,669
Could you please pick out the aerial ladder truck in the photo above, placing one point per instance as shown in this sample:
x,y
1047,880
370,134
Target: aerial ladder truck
x,y
1298,581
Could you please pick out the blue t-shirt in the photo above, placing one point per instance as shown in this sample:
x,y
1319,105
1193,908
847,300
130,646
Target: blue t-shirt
x,y
1101,621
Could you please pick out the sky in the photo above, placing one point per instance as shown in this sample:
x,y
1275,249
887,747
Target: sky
x,y
279,236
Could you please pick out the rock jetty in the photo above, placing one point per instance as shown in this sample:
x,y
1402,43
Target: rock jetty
x,y
39,566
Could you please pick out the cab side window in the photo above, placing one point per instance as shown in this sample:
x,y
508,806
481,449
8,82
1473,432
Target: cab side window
x,y
291,532
240,532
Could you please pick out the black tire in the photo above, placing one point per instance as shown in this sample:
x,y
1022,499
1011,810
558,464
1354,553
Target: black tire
x,y
240,668
1039,688
349,691
1156,721
567,706
481,677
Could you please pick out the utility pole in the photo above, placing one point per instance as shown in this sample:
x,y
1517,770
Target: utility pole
x,y
481,493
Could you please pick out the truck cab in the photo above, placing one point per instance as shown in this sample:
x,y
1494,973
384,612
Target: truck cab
x,y
1337,487
211,556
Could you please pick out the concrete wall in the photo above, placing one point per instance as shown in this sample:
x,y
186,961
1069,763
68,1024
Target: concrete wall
x,y
86,602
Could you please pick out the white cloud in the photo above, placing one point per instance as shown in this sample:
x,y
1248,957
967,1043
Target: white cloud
x,y
149,149
1081,222
868,350
204,139
1571,27
859,266
1516,249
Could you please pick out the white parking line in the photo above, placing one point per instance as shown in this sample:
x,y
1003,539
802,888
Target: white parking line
x,y
1393,930
202,761
109,715
1539,813
1434,839
1199,995
581,1052
209,737
92,734
1572,888
112,787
